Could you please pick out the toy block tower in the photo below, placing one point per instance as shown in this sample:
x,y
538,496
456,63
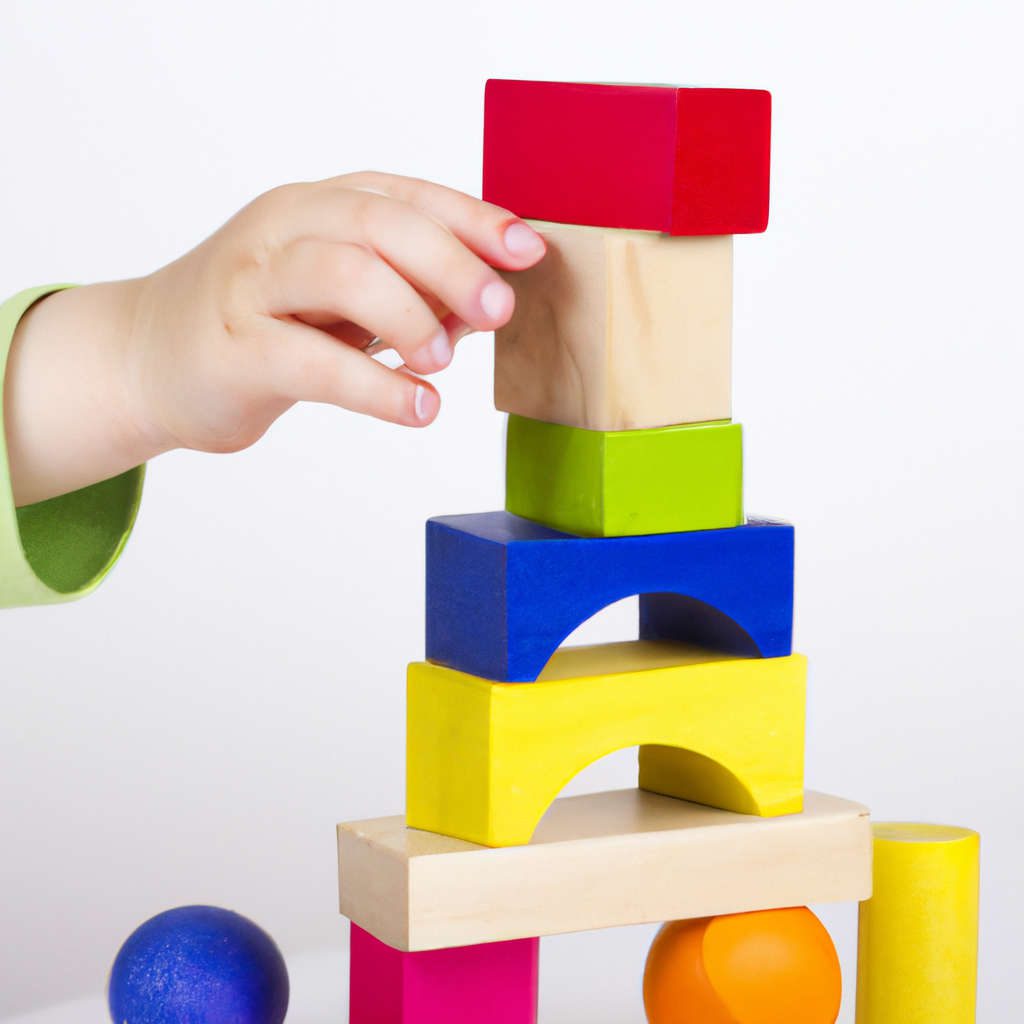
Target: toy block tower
x,y
624,477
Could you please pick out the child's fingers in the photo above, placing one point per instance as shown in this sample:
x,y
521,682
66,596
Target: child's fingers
x,y
340,281
418,247
492,232
435,261
302,364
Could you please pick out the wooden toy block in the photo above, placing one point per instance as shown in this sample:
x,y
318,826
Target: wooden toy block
x,y
619,330
627,482
496,982
485,760
503,592
917,957
687,161
600,861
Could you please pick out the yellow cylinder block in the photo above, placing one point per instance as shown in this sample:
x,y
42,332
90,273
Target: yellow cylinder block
x,y
917,959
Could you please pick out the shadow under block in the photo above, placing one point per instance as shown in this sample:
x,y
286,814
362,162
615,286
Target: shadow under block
x,y
503,592
626,482
600,861
619,330
917,957
687,161
495,982
485,760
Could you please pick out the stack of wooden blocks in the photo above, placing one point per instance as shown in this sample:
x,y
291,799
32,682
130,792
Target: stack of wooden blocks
x,y
624,477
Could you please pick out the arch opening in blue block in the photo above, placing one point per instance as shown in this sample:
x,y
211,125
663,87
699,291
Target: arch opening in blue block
x,y
684,618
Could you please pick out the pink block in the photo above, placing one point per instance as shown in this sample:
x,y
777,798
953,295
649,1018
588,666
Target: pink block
x,y
495,982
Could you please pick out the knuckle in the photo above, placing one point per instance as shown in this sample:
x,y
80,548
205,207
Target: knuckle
x,y
411,190
456,264
366,210
464,274
309,377
364,179
347,268
258,229
413,322
279,201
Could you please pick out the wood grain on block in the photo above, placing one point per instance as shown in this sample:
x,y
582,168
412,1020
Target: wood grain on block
x,y
600,861
619,330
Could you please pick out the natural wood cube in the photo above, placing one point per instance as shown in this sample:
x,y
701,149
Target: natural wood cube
x,y
619,330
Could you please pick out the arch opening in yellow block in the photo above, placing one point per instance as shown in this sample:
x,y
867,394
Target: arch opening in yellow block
x,y
692,776
485,760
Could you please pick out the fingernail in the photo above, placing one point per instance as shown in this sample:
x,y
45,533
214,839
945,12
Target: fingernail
x,y
522,240
440,349
425,403
497,300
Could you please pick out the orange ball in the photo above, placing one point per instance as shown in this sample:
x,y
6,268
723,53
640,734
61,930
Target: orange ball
x,y
765,967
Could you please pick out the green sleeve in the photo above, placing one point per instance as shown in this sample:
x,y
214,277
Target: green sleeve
x,y
58,549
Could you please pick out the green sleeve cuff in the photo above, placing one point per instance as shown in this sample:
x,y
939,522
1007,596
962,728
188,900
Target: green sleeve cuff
x,y
62,548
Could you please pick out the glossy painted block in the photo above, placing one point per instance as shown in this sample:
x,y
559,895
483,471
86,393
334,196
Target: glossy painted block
x,y
495,982
485,760
619,330
686,161
626,482
917,955
504,592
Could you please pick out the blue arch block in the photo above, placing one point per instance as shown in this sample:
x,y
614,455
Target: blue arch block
x,y
504,592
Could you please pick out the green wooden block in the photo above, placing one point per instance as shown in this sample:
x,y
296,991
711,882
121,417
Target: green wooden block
x,y
619,483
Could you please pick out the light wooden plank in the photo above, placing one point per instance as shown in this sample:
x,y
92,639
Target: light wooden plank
x,y
600,861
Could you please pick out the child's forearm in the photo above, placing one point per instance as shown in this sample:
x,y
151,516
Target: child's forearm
x,y
67,405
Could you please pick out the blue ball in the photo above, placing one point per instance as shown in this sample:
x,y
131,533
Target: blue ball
x,y
198,965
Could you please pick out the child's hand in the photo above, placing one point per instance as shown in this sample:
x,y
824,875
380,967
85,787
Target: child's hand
x,y
275,308
250,322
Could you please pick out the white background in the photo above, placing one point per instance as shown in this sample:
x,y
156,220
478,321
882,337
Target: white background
x,y
193,731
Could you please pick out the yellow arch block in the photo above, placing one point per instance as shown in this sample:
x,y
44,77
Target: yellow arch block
x,y
485,760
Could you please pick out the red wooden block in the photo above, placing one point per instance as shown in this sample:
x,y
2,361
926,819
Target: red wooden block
x,y
685,161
